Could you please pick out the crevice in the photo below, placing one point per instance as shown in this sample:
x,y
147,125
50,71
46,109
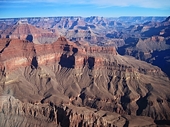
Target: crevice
x,y
7,44
142,104
125,100
109,83
48,80
47,96
91,62
62,118
82,96
34,63
126,123
117,79
74,24
108,86
80,124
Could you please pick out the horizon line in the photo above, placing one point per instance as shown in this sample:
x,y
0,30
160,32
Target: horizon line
x,y
81,16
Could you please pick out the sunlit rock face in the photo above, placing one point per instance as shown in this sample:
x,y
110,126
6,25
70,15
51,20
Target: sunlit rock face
x,y
25,31
71,84
16,53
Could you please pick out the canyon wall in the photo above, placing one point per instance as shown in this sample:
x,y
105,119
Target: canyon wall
x,y
69,84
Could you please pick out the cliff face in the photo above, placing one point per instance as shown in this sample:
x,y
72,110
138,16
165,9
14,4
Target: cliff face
x,y
25,31
55,83
16,53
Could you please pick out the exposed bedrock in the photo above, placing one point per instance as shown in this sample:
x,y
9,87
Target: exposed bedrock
x,y
16,113
30,33
75,86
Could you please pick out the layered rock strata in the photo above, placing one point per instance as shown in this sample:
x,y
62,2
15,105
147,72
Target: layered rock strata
x,y
25,31
68,84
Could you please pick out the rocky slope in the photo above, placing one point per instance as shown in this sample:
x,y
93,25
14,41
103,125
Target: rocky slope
x,y
69,84
149,42
16,113
25,31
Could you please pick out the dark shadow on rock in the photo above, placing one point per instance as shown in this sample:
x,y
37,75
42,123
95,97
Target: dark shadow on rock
x,y
82,96
142,104
162,60
80,124
167,33
91,26
162,122
52,115
83,27
62,118
29,38
76,31
131,40
7,44
91,62
7,36
68,62
74,24
75,50
114,35
46,97
125,100
126,123
66,24
168,41
152,31
149,87
109,83
66,48
34,62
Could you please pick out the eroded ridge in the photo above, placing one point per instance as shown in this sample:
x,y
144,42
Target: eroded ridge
x,y
70,84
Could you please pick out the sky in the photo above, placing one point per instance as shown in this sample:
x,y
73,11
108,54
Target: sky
x,y
84,8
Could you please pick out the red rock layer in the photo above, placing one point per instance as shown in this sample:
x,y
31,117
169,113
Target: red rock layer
x,y
16,53
26,31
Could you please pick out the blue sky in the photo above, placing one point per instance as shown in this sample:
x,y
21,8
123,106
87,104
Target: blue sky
x,y
84,8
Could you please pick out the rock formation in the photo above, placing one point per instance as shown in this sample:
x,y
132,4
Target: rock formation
x,y
80,79
69,84
16,113
28,32
150,42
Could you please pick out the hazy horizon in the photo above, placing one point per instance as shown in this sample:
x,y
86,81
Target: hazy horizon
x,y
84,8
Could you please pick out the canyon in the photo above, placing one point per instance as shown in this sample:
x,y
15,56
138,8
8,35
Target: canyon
x,y
73,80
